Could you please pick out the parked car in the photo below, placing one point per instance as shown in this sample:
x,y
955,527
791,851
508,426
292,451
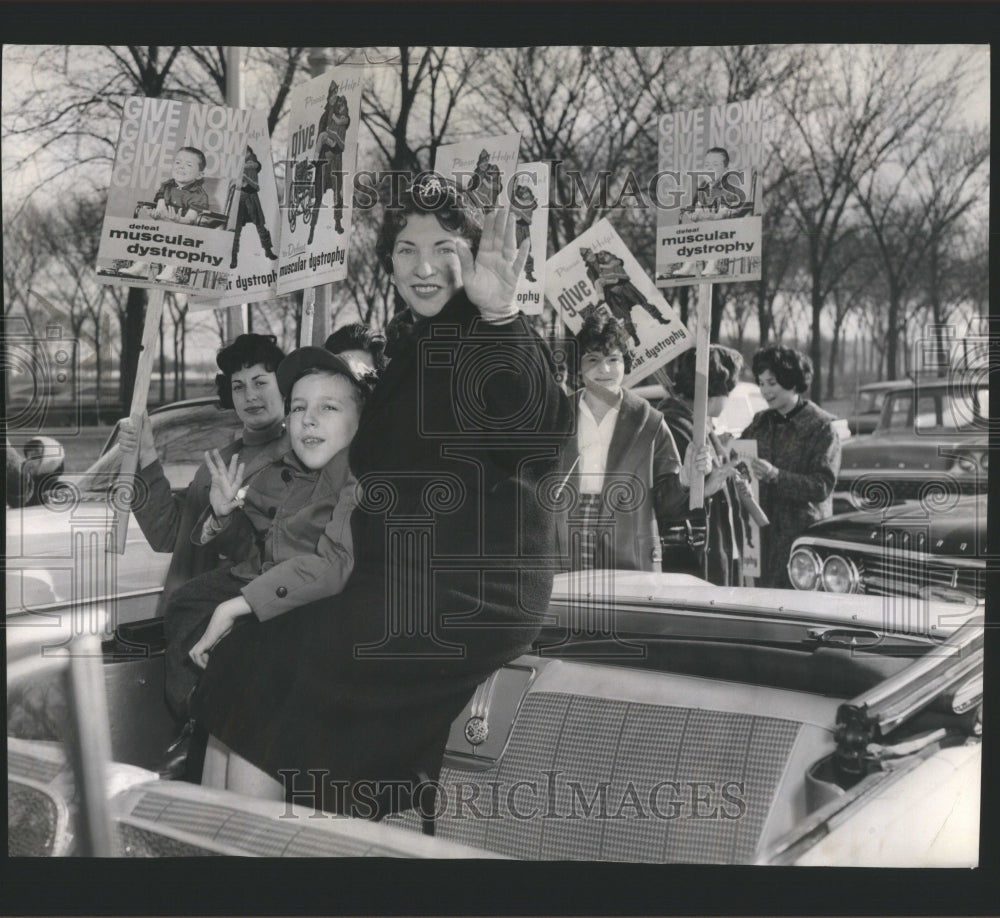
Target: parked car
x,y
932,435
868,404
910,549
55,551
657,719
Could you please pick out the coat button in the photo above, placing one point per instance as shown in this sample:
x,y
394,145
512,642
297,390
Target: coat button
x,y
281,592
272,512
286,475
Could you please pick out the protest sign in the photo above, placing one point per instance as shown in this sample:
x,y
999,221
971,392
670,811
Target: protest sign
x,y
529,201
253,261
319,180
597,272
709,194
174,196
482,167
742,453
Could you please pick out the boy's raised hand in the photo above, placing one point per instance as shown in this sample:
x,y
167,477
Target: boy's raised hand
x,y
224,493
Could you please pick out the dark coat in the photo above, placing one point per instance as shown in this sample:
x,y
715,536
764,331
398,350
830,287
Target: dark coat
x,y
455,558
806,450
641,485
167,520
722,519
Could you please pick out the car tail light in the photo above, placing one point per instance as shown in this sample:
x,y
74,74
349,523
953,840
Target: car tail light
x,y
804,569
840,575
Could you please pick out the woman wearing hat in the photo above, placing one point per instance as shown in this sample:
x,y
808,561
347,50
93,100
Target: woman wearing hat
x,y
454,551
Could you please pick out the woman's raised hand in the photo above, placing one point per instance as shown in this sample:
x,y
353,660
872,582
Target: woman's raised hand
x,y
490,279
224,493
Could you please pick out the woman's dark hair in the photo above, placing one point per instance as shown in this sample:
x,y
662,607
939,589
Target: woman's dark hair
x,y
604,334
791,369
724,367
246,351
430,193
358,337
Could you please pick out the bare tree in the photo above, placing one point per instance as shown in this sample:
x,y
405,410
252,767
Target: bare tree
x,y
849,113
25,260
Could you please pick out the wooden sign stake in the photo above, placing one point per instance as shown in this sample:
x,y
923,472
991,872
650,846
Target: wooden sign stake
x,y
696,499
140,395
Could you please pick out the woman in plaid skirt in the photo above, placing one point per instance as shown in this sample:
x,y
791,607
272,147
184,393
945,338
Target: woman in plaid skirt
x,y
621,469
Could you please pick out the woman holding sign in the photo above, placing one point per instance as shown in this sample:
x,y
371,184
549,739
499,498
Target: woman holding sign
x,y
798,457
455,552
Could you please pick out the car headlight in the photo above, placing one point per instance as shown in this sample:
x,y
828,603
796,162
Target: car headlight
x,y
965,463
840,575
984,461
804,568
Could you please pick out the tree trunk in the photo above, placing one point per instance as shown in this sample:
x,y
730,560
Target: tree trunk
x,y
163,366
135,315
177,361
184,353
815,345
834,356
683,298
892,336
718,307
97,367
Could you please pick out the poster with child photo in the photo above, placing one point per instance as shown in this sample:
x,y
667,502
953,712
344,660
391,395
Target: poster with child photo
x,y
174,196
597,273
710,194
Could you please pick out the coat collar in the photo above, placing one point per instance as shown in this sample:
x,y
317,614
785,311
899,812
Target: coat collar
x,y
632,416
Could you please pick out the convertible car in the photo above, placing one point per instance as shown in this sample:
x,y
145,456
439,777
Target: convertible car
x,y
658,719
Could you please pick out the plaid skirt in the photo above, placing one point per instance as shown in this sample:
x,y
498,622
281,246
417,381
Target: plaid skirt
x,y
590,542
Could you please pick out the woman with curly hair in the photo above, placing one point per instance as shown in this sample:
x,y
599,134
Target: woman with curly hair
x,y
454,550
622,466
798,457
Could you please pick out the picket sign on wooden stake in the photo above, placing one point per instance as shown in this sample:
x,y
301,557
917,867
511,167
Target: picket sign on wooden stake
x,y
696,499
125,483
308,312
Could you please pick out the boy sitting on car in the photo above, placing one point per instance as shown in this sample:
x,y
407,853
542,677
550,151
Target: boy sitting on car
x,y
294,514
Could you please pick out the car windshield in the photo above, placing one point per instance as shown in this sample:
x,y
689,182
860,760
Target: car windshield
x,y
954,408
181,438
870,401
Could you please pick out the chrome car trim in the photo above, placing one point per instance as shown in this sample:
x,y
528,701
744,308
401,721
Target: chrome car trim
x,y
874,714
911,554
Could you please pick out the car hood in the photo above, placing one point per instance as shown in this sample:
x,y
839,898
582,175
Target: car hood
x,y
958,530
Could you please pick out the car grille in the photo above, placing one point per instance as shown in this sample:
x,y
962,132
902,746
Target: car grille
x,y
885,576
885,573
